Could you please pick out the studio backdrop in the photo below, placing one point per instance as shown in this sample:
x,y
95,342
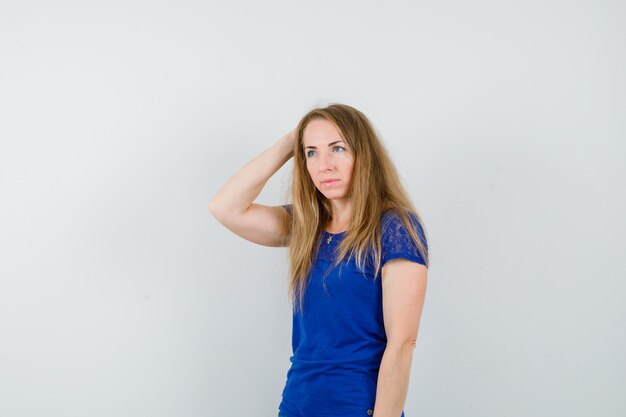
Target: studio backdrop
x,y
120,295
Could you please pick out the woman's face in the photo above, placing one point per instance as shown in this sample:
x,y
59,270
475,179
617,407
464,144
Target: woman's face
x,y
328,158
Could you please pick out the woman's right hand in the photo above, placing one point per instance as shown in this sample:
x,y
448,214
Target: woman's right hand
x,y
289,140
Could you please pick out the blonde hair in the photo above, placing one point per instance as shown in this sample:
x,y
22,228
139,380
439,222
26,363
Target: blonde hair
x,y
375,188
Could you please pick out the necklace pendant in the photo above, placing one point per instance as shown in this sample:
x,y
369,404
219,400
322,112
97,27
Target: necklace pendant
x,y
329,239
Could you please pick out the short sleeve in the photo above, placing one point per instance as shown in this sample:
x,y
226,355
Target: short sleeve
x,y
288,207
397,242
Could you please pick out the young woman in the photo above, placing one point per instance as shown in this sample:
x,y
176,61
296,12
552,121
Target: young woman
x,y
358,258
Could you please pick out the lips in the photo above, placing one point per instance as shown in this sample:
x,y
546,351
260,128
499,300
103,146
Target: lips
x,y
329,181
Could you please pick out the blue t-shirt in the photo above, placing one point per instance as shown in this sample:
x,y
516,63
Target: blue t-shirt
x,y
339,339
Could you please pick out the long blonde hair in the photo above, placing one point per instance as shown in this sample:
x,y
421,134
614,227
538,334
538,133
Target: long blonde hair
x,y
375,188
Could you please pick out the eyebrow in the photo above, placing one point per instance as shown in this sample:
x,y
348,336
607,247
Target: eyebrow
x,y
330,144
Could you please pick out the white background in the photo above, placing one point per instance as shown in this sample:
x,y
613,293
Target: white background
x,y
120,295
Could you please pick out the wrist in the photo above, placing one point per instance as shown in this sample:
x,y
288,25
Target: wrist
x,y
285,145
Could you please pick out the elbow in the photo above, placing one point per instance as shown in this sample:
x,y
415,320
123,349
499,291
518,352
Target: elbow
x,y
410,343
403,345
214,210
221,214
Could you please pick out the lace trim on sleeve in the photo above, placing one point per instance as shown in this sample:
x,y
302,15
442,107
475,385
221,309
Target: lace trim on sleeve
x,y
397,242
288,207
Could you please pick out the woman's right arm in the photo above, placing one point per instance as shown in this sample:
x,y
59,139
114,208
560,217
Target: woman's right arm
x,y
233,204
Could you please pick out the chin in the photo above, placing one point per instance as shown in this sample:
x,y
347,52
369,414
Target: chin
x,y
334,196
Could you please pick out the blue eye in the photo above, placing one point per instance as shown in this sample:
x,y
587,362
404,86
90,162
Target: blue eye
x,y
334,147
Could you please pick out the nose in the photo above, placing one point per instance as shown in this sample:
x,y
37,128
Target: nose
x,y
325,162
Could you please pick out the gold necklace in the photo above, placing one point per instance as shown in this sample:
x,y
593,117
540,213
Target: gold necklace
x,y
330,238
332,235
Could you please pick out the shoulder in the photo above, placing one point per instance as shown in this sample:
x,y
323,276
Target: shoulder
x,y
391,221
396,238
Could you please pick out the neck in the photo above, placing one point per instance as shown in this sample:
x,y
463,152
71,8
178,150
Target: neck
x,y
336,227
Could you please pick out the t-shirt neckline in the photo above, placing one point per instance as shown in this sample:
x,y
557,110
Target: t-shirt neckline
x,y
335,234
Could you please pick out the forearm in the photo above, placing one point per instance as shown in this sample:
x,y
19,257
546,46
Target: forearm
x,y
240,191
393,381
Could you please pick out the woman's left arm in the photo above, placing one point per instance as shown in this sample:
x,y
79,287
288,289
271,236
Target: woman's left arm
x,y
404,290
